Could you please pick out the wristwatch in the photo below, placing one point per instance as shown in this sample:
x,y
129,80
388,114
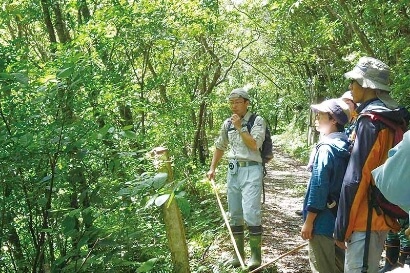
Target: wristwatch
x,y
243,129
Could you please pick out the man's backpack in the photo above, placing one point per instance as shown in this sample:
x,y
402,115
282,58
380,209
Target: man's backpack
x,y
266,149
380,203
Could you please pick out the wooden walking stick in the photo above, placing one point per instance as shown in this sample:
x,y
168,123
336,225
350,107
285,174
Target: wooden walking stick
x,y
227,225
280,257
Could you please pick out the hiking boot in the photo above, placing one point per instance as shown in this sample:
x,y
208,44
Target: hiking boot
x,y
238,235
255,240
392,248
404,257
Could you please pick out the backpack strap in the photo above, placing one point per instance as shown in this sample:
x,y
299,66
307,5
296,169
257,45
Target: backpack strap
x,y
251,121
365,265
398,128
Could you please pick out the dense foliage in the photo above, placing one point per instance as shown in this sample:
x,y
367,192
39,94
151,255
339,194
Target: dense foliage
x,y
89,87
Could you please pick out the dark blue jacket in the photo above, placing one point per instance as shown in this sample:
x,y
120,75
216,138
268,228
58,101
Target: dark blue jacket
x,y
326,180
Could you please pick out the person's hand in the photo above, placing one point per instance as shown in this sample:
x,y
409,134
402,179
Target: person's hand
x,y
236,121
407,232
341,244
210,174
307,231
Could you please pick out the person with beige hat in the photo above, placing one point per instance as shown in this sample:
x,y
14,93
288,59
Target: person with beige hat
x,y
373,139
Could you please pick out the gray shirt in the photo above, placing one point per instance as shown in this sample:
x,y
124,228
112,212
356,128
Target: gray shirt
x,y
229,139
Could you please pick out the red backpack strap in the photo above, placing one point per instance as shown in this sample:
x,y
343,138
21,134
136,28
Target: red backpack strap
x,y
398,128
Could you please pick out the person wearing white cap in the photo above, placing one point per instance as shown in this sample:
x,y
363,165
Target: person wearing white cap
x,y
348,99
245,174
349,127
320,203
373,139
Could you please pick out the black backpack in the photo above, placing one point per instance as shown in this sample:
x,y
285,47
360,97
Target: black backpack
x,y
266,149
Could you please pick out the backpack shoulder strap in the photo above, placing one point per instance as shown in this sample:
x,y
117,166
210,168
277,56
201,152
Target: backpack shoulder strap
x,y
388,122
249,125
251,121
398,128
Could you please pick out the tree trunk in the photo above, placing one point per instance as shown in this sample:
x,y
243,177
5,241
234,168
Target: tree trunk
x,y
200,144
47,20
60,25
84,14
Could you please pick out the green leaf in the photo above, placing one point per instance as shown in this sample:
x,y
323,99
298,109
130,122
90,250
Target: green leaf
x,y
128,127
124,191
104,129
68,224
21,78
18,77
83,241
5,76
159,180
46,178
87,216
148,265
129,134
184,206
102,132
150,201
65,73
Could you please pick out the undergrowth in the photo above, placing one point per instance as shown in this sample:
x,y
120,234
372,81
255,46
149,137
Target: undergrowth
x,y
294,143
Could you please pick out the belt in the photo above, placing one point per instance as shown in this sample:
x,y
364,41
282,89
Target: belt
x,y
247,163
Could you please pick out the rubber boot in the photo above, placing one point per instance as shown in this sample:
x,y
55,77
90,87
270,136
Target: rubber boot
x,y
255,240
238,235
404,257
392,248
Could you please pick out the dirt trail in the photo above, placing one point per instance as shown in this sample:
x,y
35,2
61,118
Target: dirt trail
x,y
285,185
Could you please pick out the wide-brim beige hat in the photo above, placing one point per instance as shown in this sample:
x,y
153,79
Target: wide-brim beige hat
x,y
385,97
370,73
374,74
